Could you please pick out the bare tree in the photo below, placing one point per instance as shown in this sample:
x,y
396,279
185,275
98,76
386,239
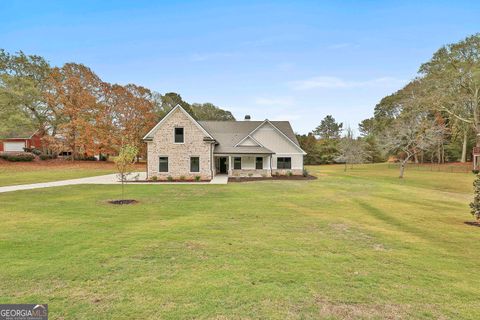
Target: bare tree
x,y
411,136
351,150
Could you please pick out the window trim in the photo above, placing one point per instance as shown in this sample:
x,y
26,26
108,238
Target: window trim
x,y
256,158
175,135
283,163
168,166
191,164
234,158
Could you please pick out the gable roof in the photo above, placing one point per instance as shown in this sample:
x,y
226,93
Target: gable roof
x,y
229,134
149,135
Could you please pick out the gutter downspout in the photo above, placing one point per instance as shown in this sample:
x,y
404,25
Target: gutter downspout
x,y
211,161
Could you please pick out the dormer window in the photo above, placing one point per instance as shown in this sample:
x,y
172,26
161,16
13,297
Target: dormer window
x,y
179,136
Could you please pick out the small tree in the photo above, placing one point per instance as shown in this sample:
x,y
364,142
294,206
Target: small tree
x,y
125,163
475,204
351,150
412,135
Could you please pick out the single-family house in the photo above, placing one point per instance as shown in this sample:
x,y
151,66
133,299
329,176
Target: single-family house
x,y
179,146
19,140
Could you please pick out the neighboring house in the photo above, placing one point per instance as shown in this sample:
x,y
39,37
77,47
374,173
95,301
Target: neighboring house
x,y
181,146
16,142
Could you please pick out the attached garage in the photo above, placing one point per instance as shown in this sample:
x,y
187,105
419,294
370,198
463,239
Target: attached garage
x,y
13,146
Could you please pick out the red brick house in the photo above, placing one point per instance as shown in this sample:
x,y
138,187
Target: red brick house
x,y
15,142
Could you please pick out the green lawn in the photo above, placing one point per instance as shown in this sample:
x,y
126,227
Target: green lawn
x,y
25,173
361,244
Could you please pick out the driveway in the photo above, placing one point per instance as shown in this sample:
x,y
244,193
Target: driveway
x,y
105,179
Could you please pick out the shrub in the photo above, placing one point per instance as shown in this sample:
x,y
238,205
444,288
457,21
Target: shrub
x,y
182,178
289,173
277,173
154,178
305,173
48,156
475,204
86,158
170,178
33,150
475,171
197,178
17,157
250,175
102,158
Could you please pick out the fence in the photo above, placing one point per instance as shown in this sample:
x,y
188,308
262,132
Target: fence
x,y
455,167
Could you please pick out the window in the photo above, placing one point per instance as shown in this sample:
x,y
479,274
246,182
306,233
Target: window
x,y
284,163
194,164
237,163
179,135
259,163
163,164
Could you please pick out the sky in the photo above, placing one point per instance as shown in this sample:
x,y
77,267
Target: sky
x,y
281,60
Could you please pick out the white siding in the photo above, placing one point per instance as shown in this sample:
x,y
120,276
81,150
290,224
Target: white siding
x,y
297,160
248,142
271,139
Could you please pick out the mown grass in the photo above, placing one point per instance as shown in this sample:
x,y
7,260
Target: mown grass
x,y
361,244
46,171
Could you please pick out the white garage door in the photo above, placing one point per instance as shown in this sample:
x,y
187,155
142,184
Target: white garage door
x,y
13,146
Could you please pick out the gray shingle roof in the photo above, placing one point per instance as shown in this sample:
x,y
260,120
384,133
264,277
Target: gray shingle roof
x,y
229,133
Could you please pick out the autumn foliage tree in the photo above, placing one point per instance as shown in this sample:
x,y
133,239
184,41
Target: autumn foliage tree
x,y
74,92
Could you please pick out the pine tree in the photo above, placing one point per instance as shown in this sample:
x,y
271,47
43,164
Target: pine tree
x,y
475,204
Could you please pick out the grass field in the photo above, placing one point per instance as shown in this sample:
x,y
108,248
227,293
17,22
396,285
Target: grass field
x,y
355,245
45,171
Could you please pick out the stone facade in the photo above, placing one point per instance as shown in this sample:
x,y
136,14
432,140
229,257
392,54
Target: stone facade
x,y
179,154
283,172
250,173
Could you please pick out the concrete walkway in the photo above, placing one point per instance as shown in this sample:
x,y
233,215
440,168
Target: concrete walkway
x,y
105,179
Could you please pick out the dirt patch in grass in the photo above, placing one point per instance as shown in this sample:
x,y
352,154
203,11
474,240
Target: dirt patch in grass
x,y
249,179
122,202
472,223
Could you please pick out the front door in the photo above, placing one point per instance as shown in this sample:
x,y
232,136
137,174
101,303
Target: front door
x,y
223,164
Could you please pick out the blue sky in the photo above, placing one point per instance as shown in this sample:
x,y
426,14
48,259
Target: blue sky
x,y
297,61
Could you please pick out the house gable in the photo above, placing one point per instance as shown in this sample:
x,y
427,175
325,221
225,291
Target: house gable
x,y
248,141
165,151
274,139
149,136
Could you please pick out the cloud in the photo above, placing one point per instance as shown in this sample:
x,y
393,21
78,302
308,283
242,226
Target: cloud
x,y
325,82
277,101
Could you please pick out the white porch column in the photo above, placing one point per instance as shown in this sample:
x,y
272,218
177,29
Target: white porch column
x,y
230,165
269,160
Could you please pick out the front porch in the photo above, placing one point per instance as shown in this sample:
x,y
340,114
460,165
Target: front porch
x,y
243,165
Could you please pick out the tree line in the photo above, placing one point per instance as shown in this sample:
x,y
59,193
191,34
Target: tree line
x,y
76,111
435,118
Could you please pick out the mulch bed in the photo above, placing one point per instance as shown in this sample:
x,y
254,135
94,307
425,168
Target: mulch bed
x,y
122,202
248,179
472,223
163,181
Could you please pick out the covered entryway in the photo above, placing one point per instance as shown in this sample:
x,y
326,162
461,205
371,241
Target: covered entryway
x,y
14,146
222,165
